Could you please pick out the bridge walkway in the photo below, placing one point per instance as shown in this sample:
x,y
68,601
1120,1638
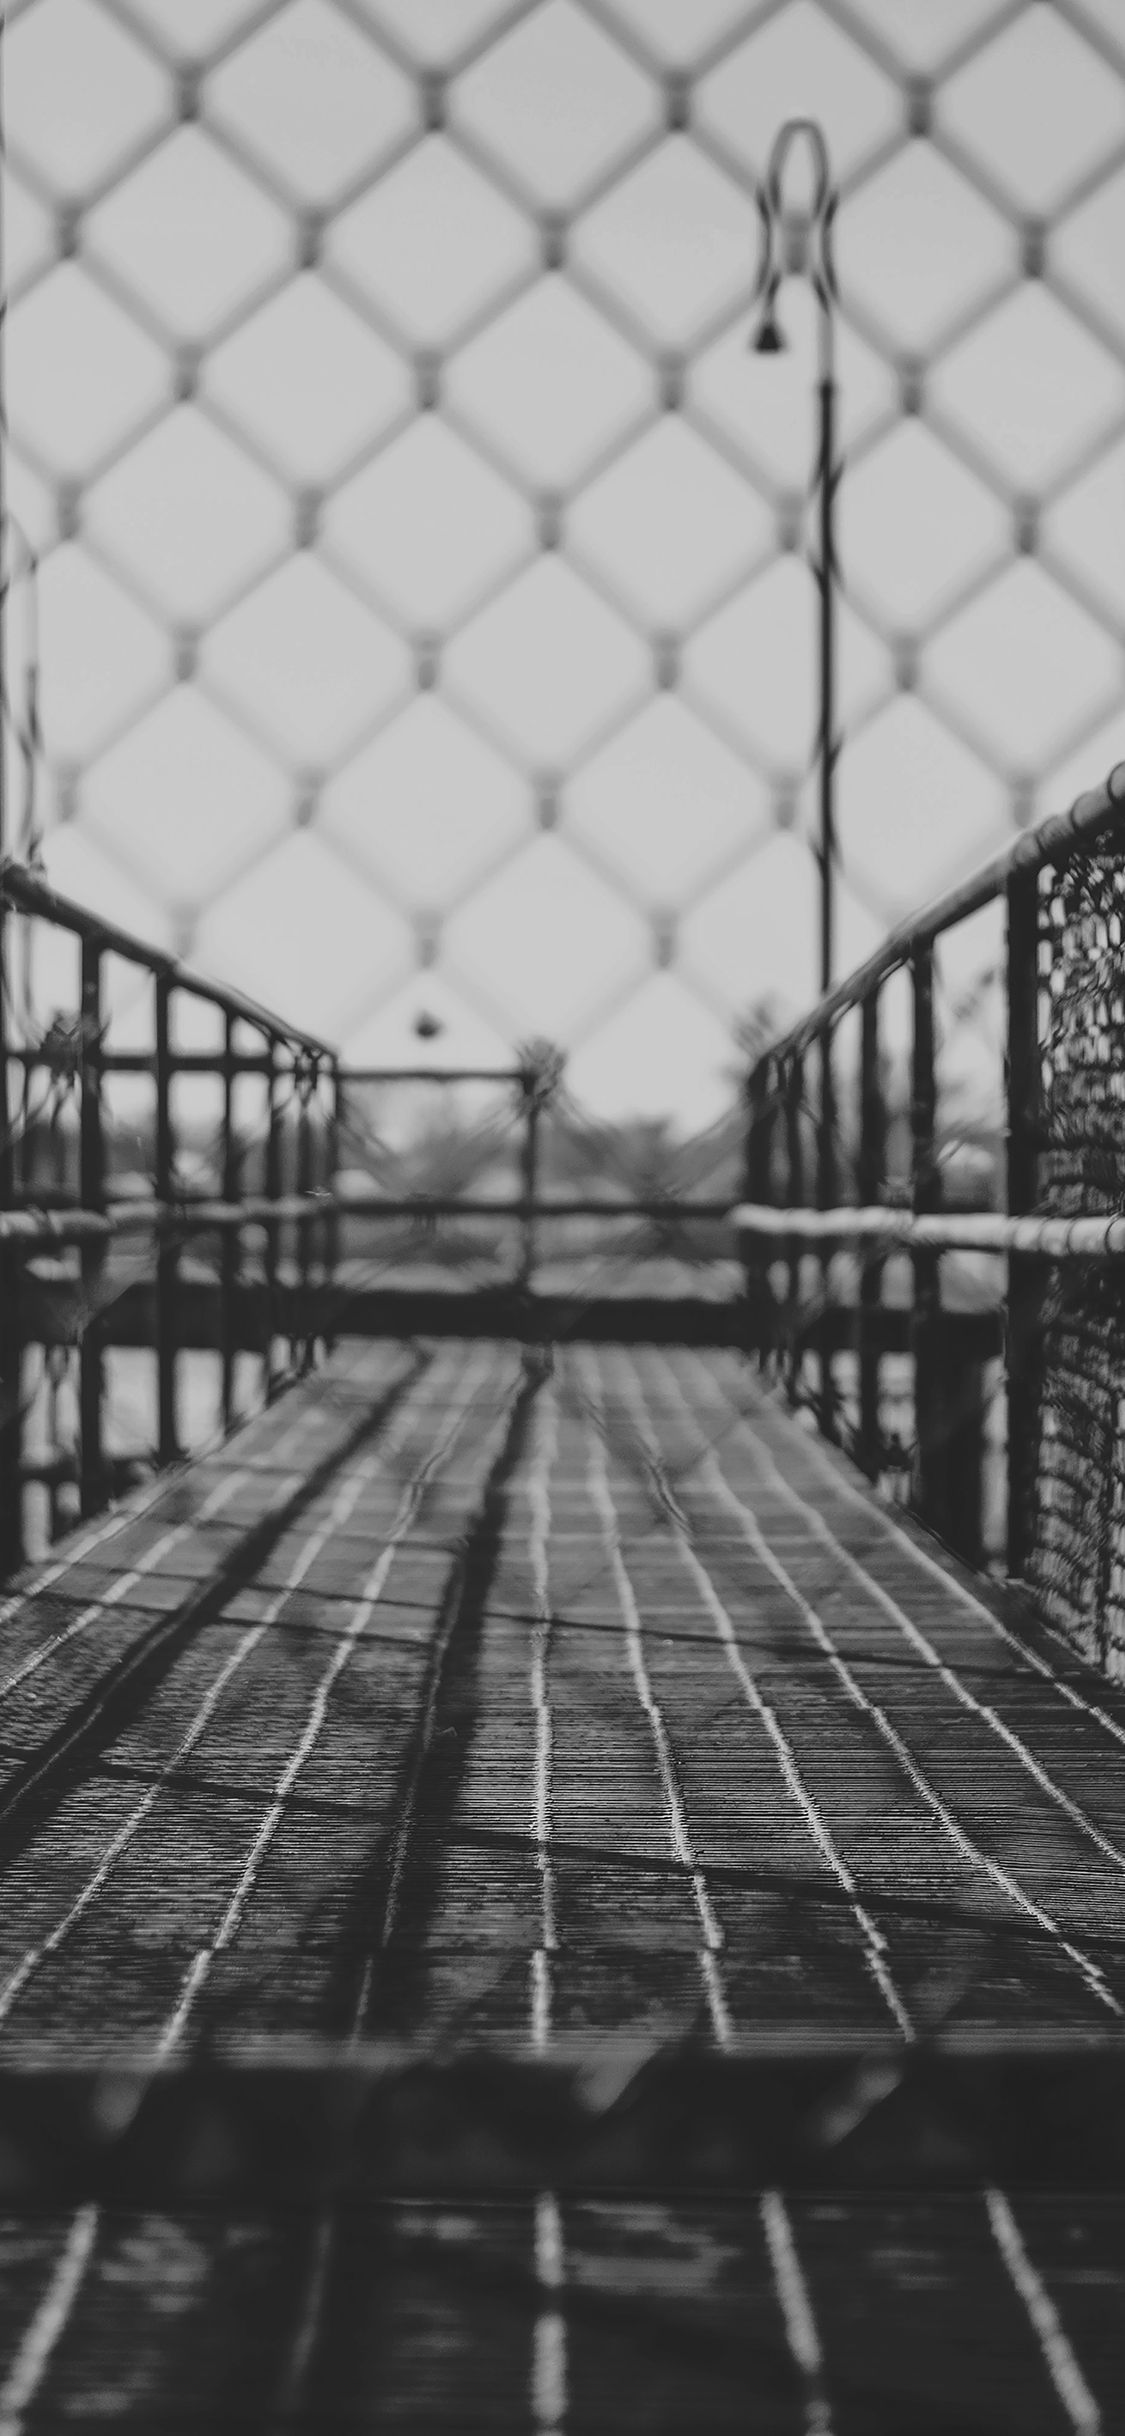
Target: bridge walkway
x,y
530,1714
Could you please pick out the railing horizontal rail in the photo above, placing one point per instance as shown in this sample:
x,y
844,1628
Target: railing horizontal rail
x,y
28,893
259,1162
36,1057
33,1229
1087,819
270,1119
30,1229
462,1205
1008,1050
432,1074
906,1230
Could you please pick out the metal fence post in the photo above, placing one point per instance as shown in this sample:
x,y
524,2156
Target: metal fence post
x,y
11,1345
795,1197
529,1178
229,1240
91,1188
826,1191
304,1232
756,1185
931,1486
1023,1115
272,1184
333,1134
870,1178
758,1118
167,1250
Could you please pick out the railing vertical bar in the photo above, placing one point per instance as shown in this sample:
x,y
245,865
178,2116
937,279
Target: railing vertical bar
x,y
1023,1120
27,1159
929,1419
795,1196
229,1242
756,1177
529,1179
318,1177
333,1135
304,1231
272,1182
826,1180
870,1179
756,1158
60,1164
167,1251
11,1333
91,1187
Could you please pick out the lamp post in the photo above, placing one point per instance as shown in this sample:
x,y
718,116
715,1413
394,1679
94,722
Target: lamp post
x,y
803,243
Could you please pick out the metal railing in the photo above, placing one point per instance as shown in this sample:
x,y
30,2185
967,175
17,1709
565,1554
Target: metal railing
x,y
209,1220
255,1254
64,1191
1060,1148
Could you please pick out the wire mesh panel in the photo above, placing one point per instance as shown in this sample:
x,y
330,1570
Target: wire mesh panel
x,y
944,1244
427,616
1080,1496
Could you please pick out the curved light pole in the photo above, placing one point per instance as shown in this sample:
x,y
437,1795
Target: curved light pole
x,y
803,243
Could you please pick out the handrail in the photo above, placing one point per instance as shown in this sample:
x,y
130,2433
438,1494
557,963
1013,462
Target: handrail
x,y
813,1136
33,1228
296,1139
28,893
519,1205
433,1074
1090,814
888,1230
59,1193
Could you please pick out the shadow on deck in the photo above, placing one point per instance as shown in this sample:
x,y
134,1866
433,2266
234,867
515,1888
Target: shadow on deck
x,y
632,1935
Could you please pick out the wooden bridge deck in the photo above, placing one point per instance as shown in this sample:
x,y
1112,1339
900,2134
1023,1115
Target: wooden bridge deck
x,y
577,1708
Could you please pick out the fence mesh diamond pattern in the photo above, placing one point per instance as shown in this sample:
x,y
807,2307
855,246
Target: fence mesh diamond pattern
x,y
424,558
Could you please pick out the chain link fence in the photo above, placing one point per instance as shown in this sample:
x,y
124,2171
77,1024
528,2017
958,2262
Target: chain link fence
x,y
425,609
